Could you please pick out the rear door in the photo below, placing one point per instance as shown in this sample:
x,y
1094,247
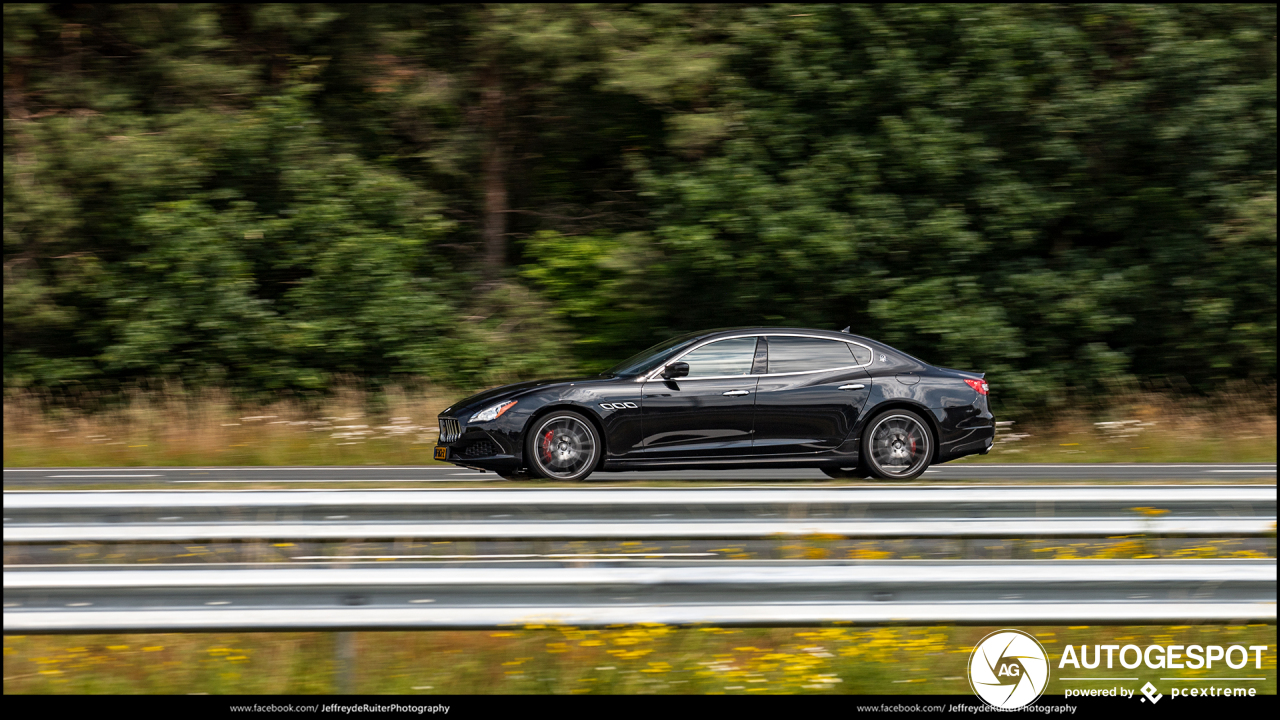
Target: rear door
x,y
711,412
812,395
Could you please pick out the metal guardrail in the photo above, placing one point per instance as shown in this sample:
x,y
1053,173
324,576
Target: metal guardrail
x,y
168,599
689,529
640,514
630,500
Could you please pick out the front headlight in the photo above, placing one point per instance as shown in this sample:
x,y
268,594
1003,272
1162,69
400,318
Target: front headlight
x,y
492,413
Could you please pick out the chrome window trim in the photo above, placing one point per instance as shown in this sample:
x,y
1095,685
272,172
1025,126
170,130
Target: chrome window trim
x,y
655,374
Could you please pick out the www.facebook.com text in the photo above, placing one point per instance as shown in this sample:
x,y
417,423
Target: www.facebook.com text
x,y
964,707
335,707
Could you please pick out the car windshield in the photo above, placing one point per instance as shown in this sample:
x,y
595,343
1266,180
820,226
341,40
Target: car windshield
x,y
646,360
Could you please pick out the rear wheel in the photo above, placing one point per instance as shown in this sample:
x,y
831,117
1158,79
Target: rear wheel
x,y
562,446
898,445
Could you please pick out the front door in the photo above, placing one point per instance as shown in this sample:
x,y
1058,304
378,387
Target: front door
x,y
710,413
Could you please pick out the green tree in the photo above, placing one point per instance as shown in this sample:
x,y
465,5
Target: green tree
x,y
266,196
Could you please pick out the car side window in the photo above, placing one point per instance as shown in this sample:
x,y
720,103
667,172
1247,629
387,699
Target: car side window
x,y
861,354
761,364
723,357
801,354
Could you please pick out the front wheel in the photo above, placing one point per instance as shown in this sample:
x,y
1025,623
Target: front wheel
x,y
897,446
563,446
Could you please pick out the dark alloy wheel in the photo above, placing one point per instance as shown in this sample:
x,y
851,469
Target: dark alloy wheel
x,y
847,473
897,446
563,446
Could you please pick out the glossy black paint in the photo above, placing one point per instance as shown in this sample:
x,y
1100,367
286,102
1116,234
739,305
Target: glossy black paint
x,y
792,420
808,413
690,417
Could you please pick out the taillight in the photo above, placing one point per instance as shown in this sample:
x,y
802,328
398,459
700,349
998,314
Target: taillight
x,y
979,385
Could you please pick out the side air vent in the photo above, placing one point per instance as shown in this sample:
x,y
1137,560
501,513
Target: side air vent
x,y
483,448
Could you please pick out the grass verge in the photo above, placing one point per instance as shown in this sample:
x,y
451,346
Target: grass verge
x,y
815,547
398,427
617,660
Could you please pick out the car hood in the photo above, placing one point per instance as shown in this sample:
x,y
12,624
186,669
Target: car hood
x,y
481,400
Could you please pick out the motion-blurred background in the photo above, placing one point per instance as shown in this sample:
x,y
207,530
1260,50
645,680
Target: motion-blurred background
x,y
291,234
269,201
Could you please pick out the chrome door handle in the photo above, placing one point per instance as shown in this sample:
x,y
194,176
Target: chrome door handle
x,y
852,387
738,392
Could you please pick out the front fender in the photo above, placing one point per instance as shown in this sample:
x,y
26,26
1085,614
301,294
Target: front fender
x,y
614,408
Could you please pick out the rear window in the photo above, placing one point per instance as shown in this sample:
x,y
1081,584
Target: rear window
x,y
861,354
801,354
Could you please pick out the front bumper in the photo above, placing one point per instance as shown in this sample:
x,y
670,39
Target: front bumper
x,y
476,447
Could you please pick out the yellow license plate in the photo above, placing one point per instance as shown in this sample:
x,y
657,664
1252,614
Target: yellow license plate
x,y
442,452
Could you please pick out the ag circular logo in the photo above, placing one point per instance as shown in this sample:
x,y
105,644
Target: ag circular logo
x,y
1008,669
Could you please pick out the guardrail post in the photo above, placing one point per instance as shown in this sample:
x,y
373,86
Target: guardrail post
x,y
346,662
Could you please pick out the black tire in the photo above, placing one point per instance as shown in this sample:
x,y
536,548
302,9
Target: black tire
x,y
562,445
847,473
897,445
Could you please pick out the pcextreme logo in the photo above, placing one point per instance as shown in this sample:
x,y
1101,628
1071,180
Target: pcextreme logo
x,y
1008,669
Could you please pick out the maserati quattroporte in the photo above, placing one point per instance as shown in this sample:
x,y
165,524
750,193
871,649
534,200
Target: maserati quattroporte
x,y
732,398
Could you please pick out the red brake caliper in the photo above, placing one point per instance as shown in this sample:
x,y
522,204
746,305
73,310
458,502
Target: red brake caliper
x,y
546,446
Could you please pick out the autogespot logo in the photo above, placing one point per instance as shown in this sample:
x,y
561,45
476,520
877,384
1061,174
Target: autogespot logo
x,y
1008,669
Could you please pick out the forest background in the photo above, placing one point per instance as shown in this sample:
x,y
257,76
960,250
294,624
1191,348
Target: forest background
x,y
272,200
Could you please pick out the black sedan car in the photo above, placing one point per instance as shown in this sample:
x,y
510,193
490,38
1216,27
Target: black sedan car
x,y
730,398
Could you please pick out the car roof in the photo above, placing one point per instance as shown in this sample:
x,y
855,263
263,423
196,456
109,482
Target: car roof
x,y
833,334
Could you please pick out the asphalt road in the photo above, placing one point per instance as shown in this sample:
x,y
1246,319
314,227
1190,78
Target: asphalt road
x,y
248,476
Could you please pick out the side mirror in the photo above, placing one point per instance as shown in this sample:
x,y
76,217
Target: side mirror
x,y
675,370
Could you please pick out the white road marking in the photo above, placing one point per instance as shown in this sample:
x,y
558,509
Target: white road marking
x,y
445,468
101,476
342,480
1258,470
335,468
1109,466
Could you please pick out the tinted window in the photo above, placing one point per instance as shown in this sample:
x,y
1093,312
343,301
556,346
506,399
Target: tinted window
x,y
798,354
646,360
723,357
761,364
861,354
